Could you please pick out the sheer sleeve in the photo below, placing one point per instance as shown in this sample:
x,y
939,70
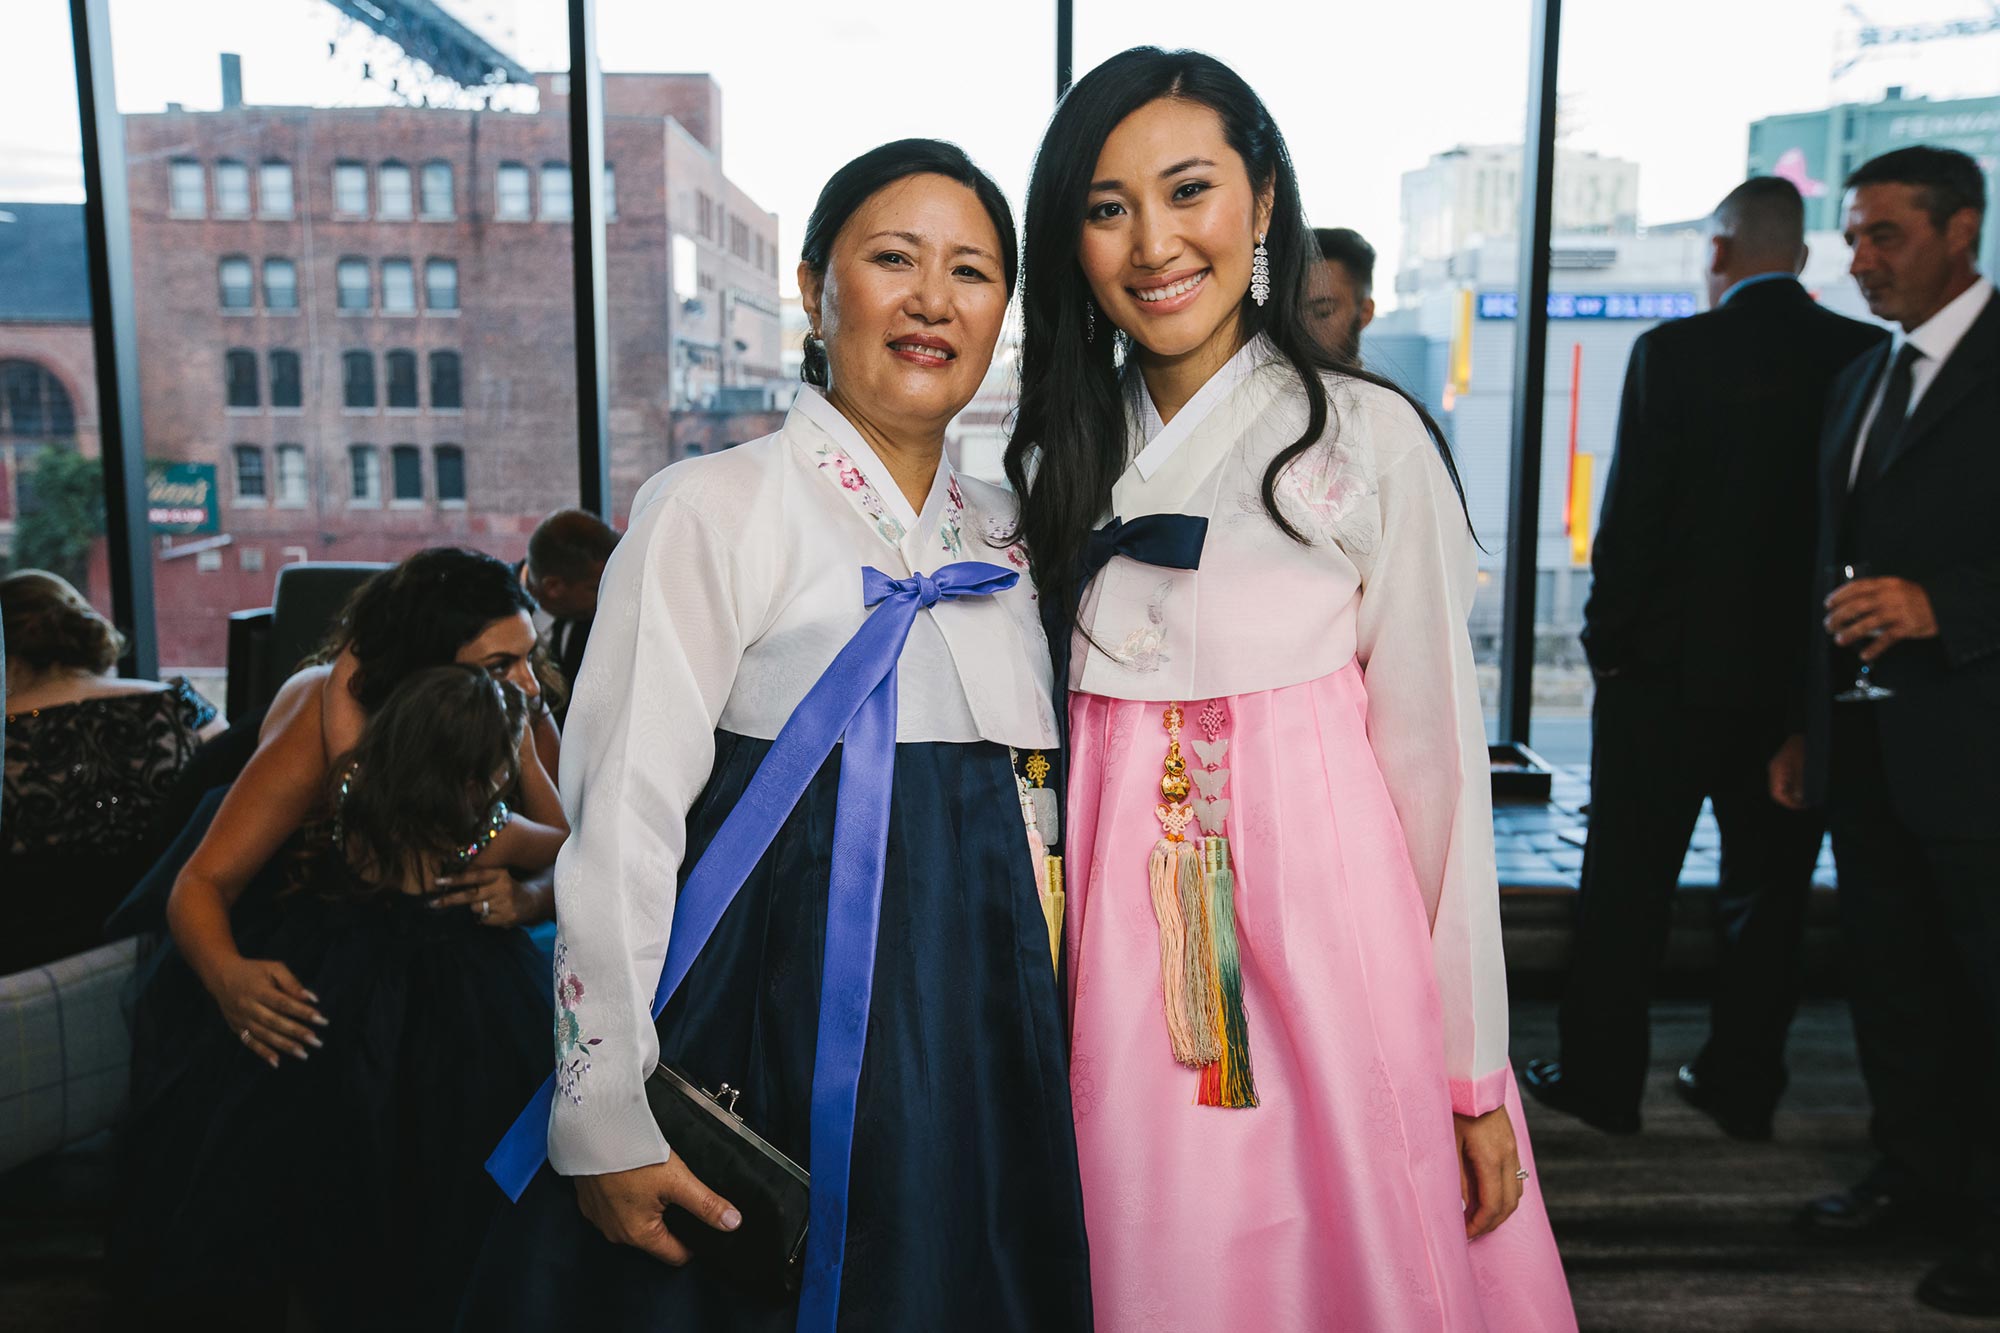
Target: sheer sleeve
x,y
637,750
1429,735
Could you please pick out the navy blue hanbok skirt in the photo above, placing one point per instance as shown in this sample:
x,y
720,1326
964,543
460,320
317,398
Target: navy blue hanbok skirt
x,y
964,1211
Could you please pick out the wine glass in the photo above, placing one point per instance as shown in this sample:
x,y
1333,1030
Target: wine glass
x,y
1864,690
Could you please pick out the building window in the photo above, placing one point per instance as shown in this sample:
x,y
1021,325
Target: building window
x,y
441,284
351,277
274,189
357,379
364,471
401,368
281,285
350,189
249,474
555,192
285,390
232,189
610,193
446,391
239,377
291,476
705,210
739,238
437,200
450,462
408,465
511,198
399,287
759,247
34,406
392,191
234,275
187,194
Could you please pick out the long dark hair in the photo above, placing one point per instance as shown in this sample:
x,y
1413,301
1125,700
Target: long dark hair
x,y
423,771
857,182
419,614
1069,434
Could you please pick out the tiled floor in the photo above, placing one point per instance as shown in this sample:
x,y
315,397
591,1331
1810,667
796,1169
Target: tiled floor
x,y
1541,846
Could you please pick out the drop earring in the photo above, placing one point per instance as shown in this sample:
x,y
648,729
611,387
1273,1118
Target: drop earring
x,y
1260,272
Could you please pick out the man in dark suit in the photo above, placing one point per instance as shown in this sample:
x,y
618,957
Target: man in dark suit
x,y
566,557
1909,537
1700,565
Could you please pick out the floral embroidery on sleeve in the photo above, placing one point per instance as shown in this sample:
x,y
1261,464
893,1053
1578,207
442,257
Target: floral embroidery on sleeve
x,y
954,505
572,1047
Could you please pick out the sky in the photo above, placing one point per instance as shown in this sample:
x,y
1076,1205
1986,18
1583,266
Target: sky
x,y
1362,91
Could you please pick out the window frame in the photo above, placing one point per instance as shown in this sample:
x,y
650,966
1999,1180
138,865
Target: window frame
x,y
438,264
239,454
425,213
270,262
176,169
223,287
400,170
240,369
349,359
398,453
276,358
349,264
264,170
398,265
391,359
292,451
357,454
439,358
344,166
440,455
233,165
501,212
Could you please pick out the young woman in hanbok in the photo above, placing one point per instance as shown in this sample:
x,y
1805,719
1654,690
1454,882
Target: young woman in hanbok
x,y
875,975
1287,997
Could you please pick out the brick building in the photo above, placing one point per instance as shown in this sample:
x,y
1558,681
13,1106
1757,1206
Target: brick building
x,y
362,318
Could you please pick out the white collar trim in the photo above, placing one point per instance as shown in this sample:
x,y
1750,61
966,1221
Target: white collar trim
x,y
1164,438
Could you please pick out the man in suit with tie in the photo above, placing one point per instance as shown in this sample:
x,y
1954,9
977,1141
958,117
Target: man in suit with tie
x,y
1700,565
566,557
1905,757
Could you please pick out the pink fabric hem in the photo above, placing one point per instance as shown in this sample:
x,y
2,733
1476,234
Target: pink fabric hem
x,y
1477,1096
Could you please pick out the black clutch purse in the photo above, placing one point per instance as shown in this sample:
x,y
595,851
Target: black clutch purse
x,y
771,1191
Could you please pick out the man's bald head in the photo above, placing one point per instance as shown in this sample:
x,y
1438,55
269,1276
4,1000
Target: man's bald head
x,y
1759,227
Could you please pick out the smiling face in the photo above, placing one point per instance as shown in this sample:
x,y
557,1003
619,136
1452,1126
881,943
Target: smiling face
x,y
911,303
1169,226
502,650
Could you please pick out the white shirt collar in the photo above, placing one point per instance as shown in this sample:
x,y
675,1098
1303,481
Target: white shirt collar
x,y
1939,335
1164,437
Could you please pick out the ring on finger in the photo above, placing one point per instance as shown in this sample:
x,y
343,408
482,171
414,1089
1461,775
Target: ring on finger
x,y
244,1035
485,907
1521,1174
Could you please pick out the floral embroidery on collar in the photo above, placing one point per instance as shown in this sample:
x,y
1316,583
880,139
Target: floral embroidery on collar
x,y
954,505
860,493
572,1047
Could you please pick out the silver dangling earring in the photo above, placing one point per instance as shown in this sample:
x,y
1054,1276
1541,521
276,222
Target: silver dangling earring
x,y
1260,273
1089,320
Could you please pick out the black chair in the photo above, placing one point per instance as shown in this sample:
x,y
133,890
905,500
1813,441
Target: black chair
x,y
267,645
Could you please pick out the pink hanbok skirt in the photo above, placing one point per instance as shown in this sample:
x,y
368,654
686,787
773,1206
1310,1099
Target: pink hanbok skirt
x,y
1335,1203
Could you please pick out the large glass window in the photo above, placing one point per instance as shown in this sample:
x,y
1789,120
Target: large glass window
x,y
1793,93
441,284
369,134
610,193
232,189
392,191
233,276
399,287
357,379
281,285
274,189
437,190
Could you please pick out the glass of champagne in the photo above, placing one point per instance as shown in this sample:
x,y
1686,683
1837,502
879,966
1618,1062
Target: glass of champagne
x,y
1864,689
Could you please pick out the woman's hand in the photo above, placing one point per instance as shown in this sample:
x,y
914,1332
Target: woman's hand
x,y
627,1206
267,1008
496,897
1488,1166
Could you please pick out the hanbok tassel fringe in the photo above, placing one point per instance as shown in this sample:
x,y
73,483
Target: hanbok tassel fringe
x,y
1038,812
1193,888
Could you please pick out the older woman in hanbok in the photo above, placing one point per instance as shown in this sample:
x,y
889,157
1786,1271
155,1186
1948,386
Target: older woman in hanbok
x,y
900,1033
1288,1003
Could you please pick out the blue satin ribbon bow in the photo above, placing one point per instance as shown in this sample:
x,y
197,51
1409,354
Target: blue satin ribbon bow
x,y
854,698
